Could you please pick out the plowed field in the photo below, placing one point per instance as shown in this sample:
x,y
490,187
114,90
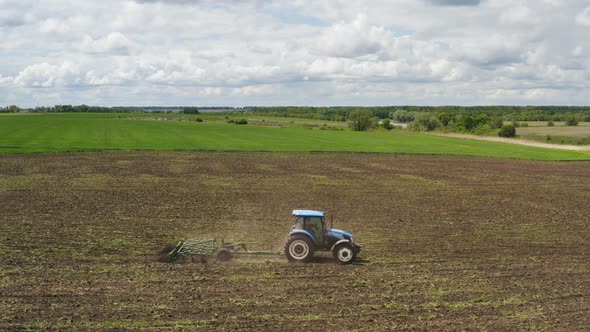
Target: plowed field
x,y
449,243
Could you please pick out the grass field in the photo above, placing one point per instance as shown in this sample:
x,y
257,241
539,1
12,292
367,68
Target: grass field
x,y
449,243
39,133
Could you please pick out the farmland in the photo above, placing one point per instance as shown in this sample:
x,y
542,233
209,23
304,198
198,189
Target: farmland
x,y
448,242
41,133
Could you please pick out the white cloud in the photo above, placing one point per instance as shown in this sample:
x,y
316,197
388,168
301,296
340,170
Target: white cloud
x,y
518,14
5,81
53,26
114,42
45,75
583,18
352,39
253,90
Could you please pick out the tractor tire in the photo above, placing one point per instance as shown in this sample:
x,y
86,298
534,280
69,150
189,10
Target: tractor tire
x,y
299,248
224,255
344,253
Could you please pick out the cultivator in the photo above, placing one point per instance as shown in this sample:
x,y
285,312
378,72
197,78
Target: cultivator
x,y
204,248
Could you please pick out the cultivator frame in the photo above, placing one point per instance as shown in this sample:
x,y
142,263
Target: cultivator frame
x,y
205,248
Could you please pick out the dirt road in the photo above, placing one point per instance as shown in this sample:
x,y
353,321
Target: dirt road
x,y
518,141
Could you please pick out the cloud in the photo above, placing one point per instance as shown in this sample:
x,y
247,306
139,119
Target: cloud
x,y
352,39
299,52
45,75
518,14
5,81
253,90
14,13
455,2
583,18
53,26
10,21
114,42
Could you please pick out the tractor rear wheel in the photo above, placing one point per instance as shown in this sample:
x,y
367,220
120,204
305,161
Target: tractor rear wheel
x,y
299,248
344,253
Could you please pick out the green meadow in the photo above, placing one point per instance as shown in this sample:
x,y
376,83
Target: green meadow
x,y
47,133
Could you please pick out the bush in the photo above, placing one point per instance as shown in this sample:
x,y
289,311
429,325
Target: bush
x,y
242,121
550,124
199,120
507,131
482,130
386,124
571,121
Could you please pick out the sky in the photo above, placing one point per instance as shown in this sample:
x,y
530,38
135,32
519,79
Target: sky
x,y
300,52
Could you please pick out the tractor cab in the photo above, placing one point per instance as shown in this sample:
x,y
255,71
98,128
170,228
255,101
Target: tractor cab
x,y
310,233
312,222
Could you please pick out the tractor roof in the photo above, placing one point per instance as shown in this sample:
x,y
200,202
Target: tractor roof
x,y
308,213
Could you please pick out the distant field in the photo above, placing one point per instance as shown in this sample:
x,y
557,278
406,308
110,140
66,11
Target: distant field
x,y
41,133
556,123
581,130
558,134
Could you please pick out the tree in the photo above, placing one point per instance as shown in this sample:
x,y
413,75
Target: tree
x,y
507,131
550,124
402,116
360,120
190,110
496,123
445,118
425,122
13,109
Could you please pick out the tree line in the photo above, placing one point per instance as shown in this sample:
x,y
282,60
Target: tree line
x,y
470,119
102,109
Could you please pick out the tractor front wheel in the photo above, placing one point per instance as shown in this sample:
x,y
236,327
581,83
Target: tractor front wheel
x,y
344,253
299,248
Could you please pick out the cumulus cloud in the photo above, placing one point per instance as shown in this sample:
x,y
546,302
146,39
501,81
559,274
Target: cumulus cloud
x,y
45,75
351,39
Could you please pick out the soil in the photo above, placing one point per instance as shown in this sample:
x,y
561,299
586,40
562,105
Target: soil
x,y
449,243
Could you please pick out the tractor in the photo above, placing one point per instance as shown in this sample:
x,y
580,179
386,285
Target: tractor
x,y
310,234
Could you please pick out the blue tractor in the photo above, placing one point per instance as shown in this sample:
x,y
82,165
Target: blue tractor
x,y
310,234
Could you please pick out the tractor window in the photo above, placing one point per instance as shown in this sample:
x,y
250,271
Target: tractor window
x,y
316,226
299,223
